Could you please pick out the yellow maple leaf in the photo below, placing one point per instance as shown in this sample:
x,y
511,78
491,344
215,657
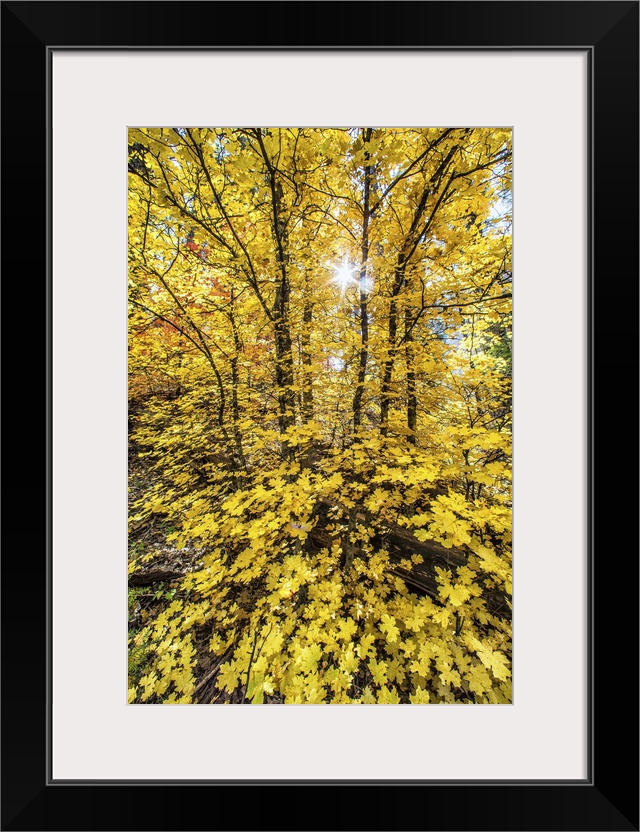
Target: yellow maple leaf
x,y
441,617
450,677
347,628
420,520
367,697
183,680
149,683
388,626
227,678
366,648
420,697
478,679
378,671
499,667
348,662
308,658
388,696
459,594
414,622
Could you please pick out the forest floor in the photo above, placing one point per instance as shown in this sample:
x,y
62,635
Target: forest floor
x,y
158,567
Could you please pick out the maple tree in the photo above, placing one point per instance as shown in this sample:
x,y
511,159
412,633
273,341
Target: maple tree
x,y
320,387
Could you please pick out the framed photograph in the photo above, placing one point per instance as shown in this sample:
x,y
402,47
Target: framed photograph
x,y
549,88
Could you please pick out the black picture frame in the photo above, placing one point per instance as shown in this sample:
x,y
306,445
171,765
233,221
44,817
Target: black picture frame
x,y
608,798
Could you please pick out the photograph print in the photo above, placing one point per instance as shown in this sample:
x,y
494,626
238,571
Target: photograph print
x,y
319,412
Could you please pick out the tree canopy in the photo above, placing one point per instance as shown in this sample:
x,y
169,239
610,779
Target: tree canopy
x,y
320,413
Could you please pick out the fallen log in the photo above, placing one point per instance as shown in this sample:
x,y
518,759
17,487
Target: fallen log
x,y
401,544
152,576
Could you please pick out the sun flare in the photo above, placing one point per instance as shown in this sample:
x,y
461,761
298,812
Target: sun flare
x,y
343,277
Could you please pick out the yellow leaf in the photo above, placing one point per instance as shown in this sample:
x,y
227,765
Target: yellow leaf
x,y
366,648
388,626
227,678
388,696
420,697
367,697
378,671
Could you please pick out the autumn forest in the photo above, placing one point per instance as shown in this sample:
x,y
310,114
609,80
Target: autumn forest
x,y
319,415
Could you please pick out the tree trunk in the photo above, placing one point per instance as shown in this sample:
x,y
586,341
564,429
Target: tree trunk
x,y
385,393
306,404
307,379
412,401
280,312
235,406
364,312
